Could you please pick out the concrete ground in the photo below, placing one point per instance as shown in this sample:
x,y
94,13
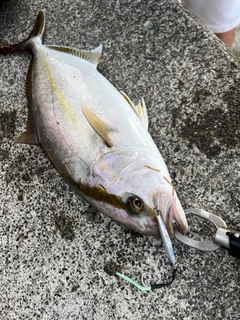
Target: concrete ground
x,y
58,255
236,43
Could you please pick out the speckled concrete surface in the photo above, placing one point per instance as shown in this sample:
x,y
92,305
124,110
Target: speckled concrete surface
x,y
57,254
236,43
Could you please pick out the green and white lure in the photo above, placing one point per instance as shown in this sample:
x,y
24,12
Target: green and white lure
x,y
171,255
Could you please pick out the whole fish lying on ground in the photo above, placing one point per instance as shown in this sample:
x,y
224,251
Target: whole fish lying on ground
x,y
96,137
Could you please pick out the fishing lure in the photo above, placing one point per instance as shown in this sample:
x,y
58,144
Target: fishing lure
x,y
172,257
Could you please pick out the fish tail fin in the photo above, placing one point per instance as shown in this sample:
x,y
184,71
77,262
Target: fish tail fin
x,y
37,32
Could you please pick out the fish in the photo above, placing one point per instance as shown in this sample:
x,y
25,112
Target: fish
x,y
95,136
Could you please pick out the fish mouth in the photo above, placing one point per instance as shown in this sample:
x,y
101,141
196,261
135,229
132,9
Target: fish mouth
x,y
171,211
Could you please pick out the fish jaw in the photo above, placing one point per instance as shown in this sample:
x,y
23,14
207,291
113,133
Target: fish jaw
x,y
171,211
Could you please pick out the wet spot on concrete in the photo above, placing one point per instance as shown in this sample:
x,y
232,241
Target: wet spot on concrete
x,y
4,154
235,194
200,95
92,216
21,167
7,125
64,224
215,128
75,287
232,97
7,129
18,170
111,267
176,114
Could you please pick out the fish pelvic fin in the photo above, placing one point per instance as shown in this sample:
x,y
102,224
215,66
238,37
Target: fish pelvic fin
x,y
30,135
92,56
140,109
37,32
98,125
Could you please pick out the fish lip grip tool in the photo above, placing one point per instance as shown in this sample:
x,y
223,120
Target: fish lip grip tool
x,y
224,237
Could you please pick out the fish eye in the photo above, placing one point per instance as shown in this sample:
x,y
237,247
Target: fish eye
x,y
136,205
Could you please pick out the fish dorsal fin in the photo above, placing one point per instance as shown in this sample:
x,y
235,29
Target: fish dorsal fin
x,y
92,56
30,135
140,109
99,126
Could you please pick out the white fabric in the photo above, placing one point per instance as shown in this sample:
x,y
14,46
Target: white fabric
x,y
218,15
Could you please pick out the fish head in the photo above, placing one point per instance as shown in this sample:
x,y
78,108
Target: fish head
x,y
142,211
135,188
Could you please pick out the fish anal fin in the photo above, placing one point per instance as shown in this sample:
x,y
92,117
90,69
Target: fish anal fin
x,y
30,135
140,109
92,56
98,125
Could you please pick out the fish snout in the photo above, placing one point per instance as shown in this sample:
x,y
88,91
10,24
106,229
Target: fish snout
x,y
171,211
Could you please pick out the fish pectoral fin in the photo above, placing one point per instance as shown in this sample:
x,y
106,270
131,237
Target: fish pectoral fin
x,y
92,56
98,125
140,109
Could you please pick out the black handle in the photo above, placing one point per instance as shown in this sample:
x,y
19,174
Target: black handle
x,y
234,242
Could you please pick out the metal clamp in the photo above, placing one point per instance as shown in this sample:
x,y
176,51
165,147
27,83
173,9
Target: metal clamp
x,y
207,245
